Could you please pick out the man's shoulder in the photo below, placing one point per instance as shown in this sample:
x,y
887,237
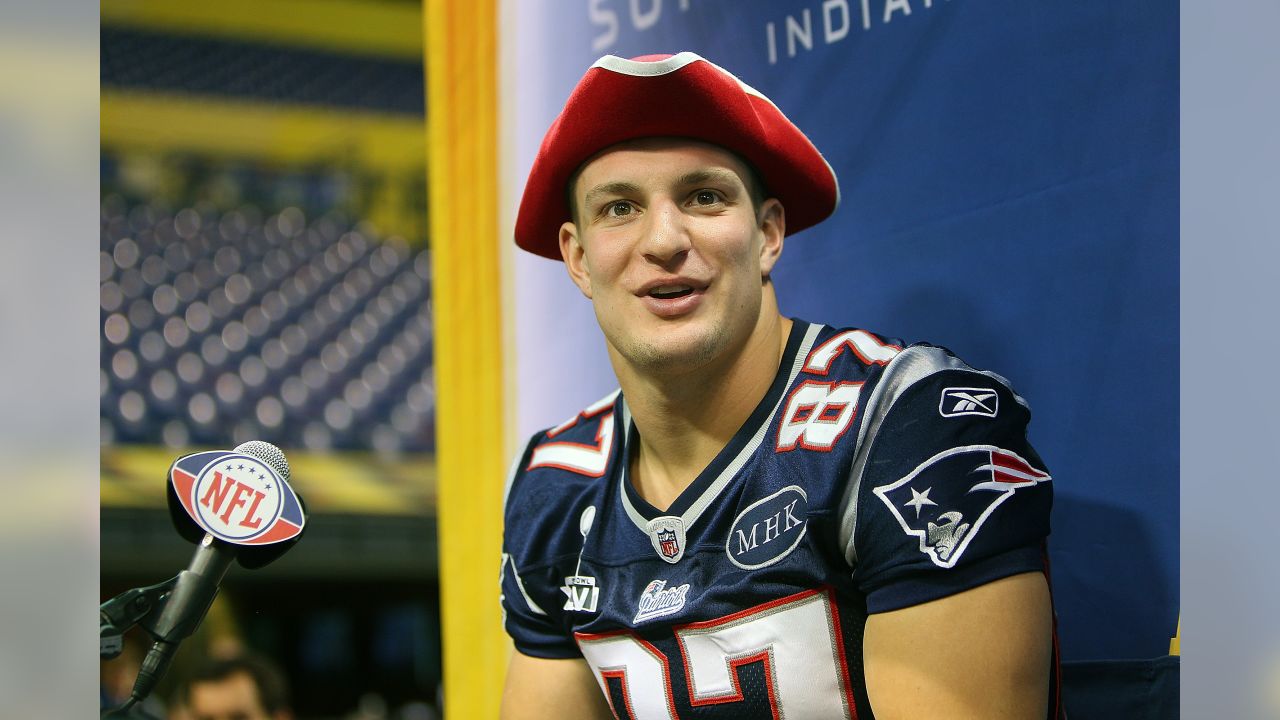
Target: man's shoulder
x,y
938,446
838,350
562,462
893,364
859,390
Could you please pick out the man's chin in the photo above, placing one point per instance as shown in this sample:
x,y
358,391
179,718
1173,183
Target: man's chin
x,y
673,350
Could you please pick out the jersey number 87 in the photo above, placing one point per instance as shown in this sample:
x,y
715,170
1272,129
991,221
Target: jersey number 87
x,y
797,638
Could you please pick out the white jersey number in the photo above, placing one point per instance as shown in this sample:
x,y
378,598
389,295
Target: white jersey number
x,y
817,414
797,638
589,460
866,346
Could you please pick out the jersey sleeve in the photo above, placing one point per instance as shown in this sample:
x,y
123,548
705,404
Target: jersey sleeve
x,y
532,614
945,492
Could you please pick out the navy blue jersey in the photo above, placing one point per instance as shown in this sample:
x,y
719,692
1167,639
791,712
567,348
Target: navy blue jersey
x,y
871,477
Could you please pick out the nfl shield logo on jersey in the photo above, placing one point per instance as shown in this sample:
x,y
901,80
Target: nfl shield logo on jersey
x,y
667,535
667,544
945,500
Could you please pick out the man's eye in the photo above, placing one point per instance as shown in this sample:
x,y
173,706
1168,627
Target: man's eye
x,y
618,209
706,197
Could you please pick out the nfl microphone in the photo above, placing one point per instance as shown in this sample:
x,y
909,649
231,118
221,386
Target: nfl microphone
x,y
236,505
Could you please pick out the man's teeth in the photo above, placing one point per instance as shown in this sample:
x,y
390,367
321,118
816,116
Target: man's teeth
x,y
669,291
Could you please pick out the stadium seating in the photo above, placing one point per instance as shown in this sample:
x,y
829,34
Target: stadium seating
x,y
220,327
154,61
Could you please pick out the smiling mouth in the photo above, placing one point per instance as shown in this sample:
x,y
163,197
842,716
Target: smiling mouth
x,y
670,292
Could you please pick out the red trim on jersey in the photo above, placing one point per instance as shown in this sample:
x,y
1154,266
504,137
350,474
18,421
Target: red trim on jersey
x,y
827,416
734,664
844,663
844,338
703,624
803,413
833,612
598,448
582,637
586,414
621,676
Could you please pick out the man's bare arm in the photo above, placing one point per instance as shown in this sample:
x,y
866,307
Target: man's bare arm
x,y
982,653
540,689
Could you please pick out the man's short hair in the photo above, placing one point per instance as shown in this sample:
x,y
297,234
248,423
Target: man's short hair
x,y
273,690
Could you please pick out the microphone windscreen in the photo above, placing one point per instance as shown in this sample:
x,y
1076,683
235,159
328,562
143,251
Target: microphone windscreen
x,y
267,453
256,556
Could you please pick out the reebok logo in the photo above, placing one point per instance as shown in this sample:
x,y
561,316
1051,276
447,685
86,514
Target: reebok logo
x,y
956,402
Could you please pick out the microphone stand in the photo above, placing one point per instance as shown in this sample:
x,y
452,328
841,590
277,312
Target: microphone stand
x,y
163,610
131,607
138,606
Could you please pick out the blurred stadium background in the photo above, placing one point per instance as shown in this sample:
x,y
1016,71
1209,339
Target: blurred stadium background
x,y
265,274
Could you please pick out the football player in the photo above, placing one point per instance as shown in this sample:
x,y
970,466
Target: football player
x,y
771,518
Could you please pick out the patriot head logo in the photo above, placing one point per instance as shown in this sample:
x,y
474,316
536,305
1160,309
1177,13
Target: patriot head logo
x,y
237,497
947,498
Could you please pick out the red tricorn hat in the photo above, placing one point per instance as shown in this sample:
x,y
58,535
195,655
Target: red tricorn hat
x,y
680,95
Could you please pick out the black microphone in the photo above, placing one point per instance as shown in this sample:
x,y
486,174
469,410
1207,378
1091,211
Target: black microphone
x,y
236,505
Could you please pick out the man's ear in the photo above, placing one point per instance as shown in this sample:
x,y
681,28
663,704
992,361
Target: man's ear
x,y
772,222
575,257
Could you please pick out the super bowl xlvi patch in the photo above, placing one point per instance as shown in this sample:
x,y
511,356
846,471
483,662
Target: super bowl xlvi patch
x,y
582,591
658,600
667,535
769,529
237,497
947,498
959,402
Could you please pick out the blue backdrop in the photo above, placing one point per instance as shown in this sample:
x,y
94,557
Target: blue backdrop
x,y
1009,173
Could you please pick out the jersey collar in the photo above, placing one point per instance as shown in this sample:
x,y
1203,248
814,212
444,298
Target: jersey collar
x,y
696,498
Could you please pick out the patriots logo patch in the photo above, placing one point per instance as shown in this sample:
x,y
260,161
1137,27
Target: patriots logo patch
x,y
947,498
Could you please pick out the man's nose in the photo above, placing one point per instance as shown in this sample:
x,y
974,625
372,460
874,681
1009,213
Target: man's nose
x,y
667,236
